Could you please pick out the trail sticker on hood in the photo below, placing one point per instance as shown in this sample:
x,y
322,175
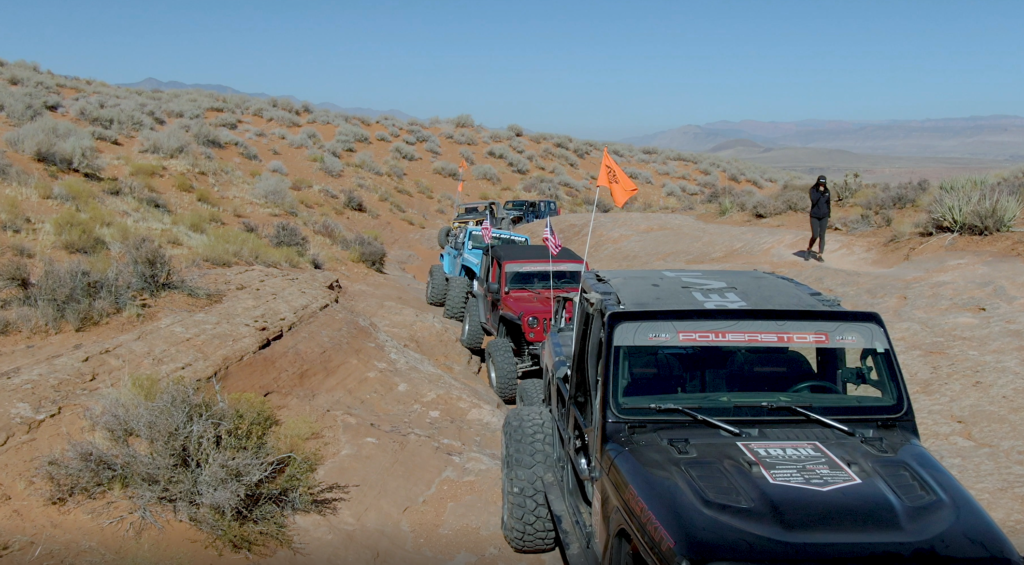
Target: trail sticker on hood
x,y
800,464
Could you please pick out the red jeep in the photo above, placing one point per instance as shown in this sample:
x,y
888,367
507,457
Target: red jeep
x,y
512,300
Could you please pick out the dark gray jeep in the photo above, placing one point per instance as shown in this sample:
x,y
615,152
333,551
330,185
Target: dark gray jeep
x,y
728,418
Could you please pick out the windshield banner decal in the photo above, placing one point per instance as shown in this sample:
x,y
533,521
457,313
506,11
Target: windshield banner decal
x,y
799,464
754,337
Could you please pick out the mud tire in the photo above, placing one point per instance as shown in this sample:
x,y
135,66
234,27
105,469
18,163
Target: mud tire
x,y
437,286
527,454
500,362
455,300
472,337
530,393
442,236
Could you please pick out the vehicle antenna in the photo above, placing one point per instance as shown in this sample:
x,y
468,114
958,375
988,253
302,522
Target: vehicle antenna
x,y
586,250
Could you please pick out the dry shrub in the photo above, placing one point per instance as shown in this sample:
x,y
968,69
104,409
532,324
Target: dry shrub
x,y
60,144
329,229
227,466
12,218
199,220
225,246
15,274
78,233
369,251
445,169
287,234
72,293
352,200
974,205
273,190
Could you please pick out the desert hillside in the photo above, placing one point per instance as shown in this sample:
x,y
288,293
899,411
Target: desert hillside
x,y
276,250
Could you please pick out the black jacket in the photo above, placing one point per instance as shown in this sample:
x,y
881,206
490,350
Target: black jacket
x,y
821,203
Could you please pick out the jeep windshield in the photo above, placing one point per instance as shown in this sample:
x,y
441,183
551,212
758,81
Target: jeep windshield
x,y
738,369
514,205
497,238
534,276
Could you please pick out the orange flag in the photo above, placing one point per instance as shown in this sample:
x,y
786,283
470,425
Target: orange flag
x,y
463,166
621,187
460,186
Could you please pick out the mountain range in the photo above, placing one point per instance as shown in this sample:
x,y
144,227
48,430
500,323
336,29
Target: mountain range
x,y
156,84
996,137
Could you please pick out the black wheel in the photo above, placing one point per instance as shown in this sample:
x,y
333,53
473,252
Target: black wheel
x,y
442,236
530,393
501,369
455,300
437,286
472,337
527,454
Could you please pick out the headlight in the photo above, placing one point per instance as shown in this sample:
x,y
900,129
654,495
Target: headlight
x,y
532,322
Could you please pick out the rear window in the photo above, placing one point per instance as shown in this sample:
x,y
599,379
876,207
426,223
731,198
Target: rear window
x,y
841,368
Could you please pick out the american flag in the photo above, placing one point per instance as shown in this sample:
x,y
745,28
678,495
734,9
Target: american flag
x,y
485,229
550,239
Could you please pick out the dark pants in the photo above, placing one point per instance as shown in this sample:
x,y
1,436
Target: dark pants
x,y
818,228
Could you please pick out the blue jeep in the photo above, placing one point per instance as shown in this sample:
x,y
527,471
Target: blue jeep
x,y
449,283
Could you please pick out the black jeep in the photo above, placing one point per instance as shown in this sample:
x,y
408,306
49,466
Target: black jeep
x,y
729,417
526,211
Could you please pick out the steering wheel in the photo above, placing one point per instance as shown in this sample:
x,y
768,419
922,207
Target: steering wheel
x,y
809,384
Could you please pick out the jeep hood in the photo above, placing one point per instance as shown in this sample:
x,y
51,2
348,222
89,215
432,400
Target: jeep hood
x,y
530,303
714,502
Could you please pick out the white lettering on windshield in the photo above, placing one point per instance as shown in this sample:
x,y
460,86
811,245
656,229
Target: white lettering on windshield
x,y
728,300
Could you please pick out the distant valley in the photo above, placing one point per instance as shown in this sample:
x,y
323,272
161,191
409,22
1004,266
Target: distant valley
x,y
882,150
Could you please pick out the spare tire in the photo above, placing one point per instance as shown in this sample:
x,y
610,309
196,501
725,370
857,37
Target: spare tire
x,y
500,360
455,300
442,236
437,286
527,454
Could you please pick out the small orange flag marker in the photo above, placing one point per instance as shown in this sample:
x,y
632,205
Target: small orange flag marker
x,y
463,166
611,175
460,186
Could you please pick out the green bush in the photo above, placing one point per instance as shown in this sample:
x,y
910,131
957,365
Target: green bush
x,y
226,466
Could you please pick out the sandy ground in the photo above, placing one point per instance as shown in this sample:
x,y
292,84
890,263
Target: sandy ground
x,y
408,419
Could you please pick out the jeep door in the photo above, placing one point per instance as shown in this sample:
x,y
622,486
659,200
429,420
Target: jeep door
x,y
574,398
493,293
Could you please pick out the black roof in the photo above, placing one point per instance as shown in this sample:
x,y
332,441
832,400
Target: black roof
x,y
682,289
531,253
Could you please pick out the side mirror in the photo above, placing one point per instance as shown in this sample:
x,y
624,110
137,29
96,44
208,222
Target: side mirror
x,y
492,288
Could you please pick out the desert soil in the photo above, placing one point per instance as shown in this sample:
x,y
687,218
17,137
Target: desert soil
x,y
406,414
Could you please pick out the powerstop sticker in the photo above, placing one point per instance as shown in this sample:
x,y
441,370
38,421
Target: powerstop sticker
x,y
800,464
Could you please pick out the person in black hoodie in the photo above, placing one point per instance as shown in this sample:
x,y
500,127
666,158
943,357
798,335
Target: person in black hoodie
x,y
821,210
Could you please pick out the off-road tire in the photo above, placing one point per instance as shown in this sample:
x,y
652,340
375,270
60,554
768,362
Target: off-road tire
x,y
527,454
530,392
500,362
472,337
437,286
455,300
442,236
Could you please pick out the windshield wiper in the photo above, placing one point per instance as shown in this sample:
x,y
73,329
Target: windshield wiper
x,y
798,409
687,411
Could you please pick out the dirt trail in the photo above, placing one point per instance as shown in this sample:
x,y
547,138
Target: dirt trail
x,y
407,416
956,320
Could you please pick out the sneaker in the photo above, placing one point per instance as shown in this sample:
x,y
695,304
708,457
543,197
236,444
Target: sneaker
x,y
820,258
807,255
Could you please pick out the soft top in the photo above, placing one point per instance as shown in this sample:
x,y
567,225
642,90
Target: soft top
x,y
682,289
481,203
531,253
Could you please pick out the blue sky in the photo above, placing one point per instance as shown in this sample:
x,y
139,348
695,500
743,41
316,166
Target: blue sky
x,y
600,70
